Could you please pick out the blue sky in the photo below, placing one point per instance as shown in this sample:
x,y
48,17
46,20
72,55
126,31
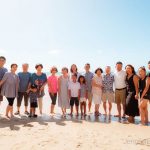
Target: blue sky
x,y
62,32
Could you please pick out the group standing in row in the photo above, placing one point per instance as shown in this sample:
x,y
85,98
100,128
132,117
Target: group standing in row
x,y
121,87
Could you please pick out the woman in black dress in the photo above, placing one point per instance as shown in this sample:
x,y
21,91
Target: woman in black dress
x,y
132,80
144,86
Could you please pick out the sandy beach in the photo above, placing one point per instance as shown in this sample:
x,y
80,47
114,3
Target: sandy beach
x,y
46,132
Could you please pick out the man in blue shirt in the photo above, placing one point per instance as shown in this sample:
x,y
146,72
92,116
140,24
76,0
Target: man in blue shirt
x,y
2,72
24,80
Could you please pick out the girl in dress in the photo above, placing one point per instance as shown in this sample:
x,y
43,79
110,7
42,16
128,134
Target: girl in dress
x,y
97,89
74,70
83,95
63,96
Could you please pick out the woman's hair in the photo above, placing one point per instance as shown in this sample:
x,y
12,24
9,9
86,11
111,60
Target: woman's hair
x,y
72,66
54,68
84,81
133,70
99,69
65,68
142,68
13,65
38,65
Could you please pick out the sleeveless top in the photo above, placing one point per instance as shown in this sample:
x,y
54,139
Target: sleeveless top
x,y
142,85
130,84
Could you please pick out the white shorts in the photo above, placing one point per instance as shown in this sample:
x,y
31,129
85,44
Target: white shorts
x,y
82,100
97,99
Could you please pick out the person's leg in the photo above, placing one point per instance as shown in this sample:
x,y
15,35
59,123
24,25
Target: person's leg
x,y
142,112
119,110
123,100
145,111
77,106
7,111
118,102
81,108
19,101
71,104
110,108
104,106
26,98
40,103
89,101
84,108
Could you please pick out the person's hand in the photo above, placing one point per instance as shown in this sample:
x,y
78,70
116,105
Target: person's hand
x,y
28,90
136,97
52,94
42,88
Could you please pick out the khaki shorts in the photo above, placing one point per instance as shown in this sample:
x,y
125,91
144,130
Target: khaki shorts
x,y
90,96
108,96
120,96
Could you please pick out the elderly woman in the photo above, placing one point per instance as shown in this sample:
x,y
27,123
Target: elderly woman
x,y
10,84
97,89
40,79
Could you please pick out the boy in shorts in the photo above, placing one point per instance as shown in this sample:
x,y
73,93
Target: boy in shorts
x,y
33,95
74,93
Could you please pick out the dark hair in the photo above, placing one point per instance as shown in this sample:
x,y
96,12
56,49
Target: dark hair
x,y
33,86
133,70
71,68
142,68
84,81
65,68
13,65
99,69
2,57
149,62
119,63
87,64
54,68
74,74
38,65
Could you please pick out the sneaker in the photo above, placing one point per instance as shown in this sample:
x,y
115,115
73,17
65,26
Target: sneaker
x,y
26,113
17,113
35,116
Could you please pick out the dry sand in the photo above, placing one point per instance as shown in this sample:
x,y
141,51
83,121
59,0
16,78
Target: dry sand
x,y
45,132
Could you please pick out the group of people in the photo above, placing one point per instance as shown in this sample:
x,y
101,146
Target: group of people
x,y
129,89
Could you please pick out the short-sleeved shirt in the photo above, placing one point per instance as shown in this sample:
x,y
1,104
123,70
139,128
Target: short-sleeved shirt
x,y
24,78
10,85
120,79
88,77
108,80
39,80
83,90
74,87
2,72
53,80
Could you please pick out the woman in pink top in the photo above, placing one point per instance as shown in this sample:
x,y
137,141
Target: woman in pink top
x,y
53,87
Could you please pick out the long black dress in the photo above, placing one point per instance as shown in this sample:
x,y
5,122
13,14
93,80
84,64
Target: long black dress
x,y
132,108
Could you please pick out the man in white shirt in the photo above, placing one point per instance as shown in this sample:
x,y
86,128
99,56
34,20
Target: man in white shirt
x,y
74,93
120,89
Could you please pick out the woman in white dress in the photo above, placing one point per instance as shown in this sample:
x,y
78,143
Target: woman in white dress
x,y
97,89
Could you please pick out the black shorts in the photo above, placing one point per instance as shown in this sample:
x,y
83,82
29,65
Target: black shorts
x,y
22,95
33,105
74,100
53,98
10,101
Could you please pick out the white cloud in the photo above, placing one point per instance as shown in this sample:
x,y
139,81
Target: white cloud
x,y
99,51
54,51
2,51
